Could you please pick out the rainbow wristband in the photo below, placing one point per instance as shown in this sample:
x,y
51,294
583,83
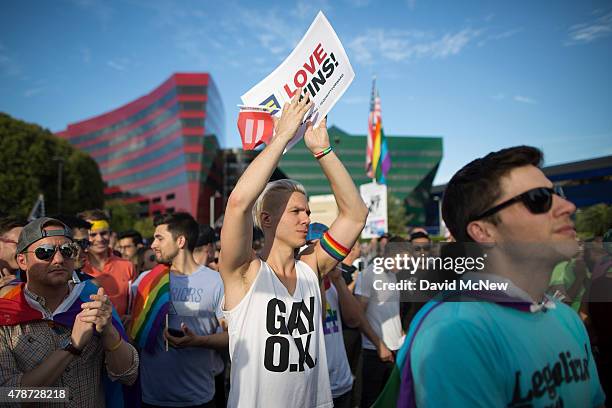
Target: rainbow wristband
x,y
333,248
323,153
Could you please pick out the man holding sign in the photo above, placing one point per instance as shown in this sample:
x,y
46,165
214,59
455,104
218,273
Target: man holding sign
x,y
273,303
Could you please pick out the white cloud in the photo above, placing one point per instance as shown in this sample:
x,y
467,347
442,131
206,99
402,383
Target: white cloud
x,y
99,8
85,54
308,9
28,93
401,45
501,36
118,65
8,64
585,33
524,99
358,3
356,100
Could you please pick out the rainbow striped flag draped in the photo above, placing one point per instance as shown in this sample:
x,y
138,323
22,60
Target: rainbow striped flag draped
x,y
15,309
150,308
378,160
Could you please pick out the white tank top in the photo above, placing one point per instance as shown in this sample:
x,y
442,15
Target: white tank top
x,y
276,344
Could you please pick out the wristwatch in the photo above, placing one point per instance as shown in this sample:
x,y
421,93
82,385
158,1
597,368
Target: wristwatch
x,y
69,347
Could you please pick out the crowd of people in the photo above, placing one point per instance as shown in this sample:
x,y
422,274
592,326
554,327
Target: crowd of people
x,y
276,311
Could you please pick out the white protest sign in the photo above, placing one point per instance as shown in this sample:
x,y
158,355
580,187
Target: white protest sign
x,y
374,195
318,64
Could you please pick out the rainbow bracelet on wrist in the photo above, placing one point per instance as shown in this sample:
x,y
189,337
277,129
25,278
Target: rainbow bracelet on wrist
x,y
323,152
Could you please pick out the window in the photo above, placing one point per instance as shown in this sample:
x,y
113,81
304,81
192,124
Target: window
x,y
192,106
192,122
170,197
191,90
156,200
170,210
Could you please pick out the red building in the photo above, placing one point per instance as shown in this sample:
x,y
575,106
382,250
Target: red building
x,y
160,150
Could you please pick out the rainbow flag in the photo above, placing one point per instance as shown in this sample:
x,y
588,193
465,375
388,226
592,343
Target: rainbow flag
x,y
378,159
15,309
150,307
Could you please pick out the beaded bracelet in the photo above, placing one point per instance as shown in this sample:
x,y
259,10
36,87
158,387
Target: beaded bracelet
x,y
323,153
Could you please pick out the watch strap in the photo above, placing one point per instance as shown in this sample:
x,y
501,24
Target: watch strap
x,y
69,347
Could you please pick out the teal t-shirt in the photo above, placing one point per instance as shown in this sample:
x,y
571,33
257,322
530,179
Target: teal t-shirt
x,y
483,354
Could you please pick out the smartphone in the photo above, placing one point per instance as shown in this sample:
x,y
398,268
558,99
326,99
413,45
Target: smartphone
x,y
176,333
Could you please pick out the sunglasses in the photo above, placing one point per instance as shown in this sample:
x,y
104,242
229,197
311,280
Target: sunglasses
x,y
537,200
46,252
83,243
421,248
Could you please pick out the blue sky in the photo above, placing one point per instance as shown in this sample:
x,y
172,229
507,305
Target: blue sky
x,y
482,74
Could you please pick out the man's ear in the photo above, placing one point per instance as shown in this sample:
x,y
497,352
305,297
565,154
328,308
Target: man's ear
x,y
21,261
181,242
481,231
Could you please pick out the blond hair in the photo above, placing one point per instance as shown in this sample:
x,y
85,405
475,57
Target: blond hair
x,y
264,200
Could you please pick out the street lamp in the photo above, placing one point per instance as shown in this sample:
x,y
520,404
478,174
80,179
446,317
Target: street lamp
x,y
441,225
60,169
211,208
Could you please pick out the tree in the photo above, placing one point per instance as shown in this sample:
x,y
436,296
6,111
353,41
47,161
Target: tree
x,y
396,215
122,215
594,220
27,154
145,227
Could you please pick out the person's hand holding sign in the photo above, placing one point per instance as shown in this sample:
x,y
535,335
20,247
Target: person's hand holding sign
x,y
291,119
317,139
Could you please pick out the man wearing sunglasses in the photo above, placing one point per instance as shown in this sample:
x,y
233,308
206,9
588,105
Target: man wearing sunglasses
x,y
47,325
512,347
114,273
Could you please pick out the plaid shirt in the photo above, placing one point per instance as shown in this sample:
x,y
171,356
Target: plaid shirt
x,y
23,347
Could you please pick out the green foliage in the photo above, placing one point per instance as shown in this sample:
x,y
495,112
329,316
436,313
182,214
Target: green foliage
x,y
145,227
122,214
26,154
396,216
594,220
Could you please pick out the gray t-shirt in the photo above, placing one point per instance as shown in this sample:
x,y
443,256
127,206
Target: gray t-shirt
x,y
185,376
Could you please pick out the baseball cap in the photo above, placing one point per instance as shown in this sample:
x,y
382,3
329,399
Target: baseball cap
x,y
418,234
34,231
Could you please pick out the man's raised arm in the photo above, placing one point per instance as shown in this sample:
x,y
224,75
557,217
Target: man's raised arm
x,y
345,230
237,232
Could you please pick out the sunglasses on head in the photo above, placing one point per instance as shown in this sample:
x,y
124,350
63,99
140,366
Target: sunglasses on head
x,y
46,252
537,200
